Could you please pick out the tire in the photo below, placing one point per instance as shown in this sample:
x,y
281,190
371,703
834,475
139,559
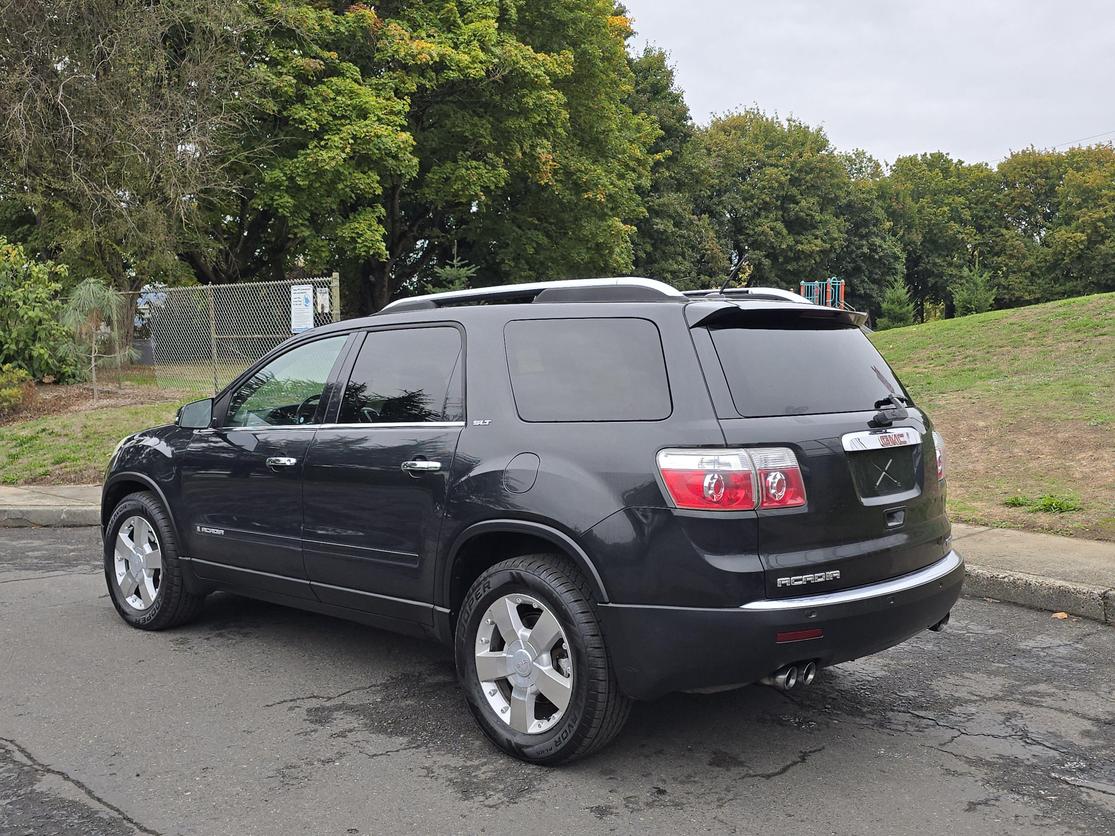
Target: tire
x,y
576,665
163,601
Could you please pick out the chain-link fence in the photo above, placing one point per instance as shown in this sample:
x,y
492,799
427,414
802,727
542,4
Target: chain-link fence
x,y
199,338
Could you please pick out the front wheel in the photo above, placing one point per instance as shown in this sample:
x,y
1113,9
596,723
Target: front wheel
x,y
532,661
142,569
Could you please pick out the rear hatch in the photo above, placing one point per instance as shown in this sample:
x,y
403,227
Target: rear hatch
x,y
808,379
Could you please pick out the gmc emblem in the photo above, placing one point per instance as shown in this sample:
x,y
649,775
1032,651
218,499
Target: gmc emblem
x,y
816,577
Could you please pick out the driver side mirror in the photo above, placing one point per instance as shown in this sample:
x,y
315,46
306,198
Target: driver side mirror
x,y
197,415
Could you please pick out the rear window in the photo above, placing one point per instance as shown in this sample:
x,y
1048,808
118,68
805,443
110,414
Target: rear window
x,y
802,369
587,370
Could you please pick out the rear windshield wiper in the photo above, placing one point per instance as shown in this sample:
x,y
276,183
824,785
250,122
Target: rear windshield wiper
x,y
891,408
893,401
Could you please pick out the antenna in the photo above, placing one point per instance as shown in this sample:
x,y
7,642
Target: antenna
x,y
733,274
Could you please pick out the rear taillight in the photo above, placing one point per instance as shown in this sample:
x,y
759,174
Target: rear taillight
x,y
939,446
732,480
780,483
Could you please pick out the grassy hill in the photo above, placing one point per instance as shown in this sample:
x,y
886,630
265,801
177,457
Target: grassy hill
x,y
1026,401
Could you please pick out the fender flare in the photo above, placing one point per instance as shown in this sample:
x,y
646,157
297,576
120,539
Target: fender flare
x,y
567,544
133,476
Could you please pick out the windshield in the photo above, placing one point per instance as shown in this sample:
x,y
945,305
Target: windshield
x,y
802,369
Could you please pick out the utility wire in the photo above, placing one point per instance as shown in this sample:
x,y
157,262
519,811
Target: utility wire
x,y
1084,139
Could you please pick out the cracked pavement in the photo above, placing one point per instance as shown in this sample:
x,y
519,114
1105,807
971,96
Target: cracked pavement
x,y
260,719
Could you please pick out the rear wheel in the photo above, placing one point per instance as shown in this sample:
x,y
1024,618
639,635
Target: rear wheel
x,y
142,569
532,661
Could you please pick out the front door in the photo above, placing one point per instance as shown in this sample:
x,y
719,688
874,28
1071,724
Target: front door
x,y
375,480
242,481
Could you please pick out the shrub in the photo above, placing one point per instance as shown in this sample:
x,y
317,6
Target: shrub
x,y
897,309
16,388
31,335
972,293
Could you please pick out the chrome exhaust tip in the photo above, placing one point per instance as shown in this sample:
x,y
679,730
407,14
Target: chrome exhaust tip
x,y
808,673
784,678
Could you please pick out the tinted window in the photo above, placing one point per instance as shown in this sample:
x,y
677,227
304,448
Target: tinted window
x,y
405,376
288,389
587,370
802,370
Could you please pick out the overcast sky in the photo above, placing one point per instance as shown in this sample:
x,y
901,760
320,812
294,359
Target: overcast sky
x,y
977,78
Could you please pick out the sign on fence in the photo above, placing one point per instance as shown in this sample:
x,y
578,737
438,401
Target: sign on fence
x,y
301,308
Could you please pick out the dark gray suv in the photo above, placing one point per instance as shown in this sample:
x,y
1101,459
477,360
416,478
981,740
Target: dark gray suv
x,y
595,491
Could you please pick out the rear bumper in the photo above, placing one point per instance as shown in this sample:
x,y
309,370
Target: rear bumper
x,y
657,650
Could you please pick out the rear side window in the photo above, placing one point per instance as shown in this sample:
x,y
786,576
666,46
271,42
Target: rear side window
x,y
405,376
802,369
587,370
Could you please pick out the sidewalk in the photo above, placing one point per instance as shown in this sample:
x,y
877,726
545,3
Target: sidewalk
x,y
50,505
1060,574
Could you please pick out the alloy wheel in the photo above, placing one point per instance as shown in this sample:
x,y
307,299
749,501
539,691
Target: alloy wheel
x,y
523,663
138,562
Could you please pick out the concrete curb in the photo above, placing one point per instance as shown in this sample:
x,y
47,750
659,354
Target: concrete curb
x,y
50,516
1051,594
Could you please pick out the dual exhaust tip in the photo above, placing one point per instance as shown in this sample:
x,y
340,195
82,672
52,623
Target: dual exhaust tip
x,y
791,676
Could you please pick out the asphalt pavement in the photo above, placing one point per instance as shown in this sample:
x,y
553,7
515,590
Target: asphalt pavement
x,y
260,719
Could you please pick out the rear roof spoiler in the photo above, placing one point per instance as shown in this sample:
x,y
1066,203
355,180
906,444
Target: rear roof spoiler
x,y
718,311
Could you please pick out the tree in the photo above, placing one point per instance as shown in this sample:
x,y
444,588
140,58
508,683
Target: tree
x,y
929,199
94,312
897,307
673,242
870,258
972,292
1081,242
774,193
389,136
115,117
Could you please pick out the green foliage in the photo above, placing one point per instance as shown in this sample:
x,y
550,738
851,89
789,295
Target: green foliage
x,y
453,275
1049,504
385,135
95,314
116,121
673,241
31,336
774,195
896,309
16,388
871,256
972,292
256,139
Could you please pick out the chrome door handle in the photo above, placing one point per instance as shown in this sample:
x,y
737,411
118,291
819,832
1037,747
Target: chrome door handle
x,y
281,461
420,466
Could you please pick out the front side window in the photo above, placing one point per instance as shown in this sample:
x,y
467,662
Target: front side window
x,y
406,376
287,391
587,370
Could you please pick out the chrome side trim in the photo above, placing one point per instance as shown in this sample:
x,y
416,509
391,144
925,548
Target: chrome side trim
x,y
435,425
921,577
421,604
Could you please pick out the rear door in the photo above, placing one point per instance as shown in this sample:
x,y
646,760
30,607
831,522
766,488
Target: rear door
x,y
874,505
375,477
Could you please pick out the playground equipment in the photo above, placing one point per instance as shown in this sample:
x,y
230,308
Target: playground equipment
x,y
829,292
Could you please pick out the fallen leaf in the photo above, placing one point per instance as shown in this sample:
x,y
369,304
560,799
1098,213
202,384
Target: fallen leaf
x,y
1061,615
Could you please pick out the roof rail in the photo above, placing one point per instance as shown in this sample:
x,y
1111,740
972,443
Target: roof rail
x,y
753,292
621,289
